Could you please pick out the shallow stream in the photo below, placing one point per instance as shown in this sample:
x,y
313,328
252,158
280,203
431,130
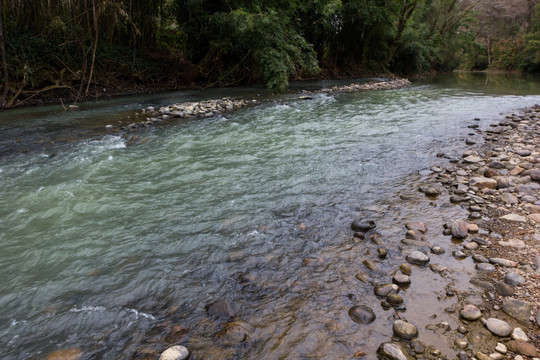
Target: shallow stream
x,y
117,248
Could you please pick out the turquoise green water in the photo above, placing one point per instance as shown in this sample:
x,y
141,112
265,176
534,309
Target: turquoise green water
x,y
105,246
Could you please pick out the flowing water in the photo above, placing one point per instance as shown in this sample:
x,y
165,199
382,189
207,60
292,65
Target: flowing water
x,y
116,248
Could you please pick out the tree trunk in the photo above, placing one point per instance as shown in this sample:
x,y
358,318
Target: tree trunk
x,y
4,61
94,12
489,52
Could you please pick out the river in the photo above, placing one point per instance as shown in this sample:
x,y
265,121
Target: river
x,y
115,247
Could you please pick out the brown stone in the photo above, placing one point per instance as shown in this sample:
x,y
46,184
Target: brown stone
x,y
66,354
522,348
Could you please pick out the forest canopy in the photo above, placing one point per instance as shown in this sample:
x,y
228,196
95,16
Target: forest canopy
x,y
84,47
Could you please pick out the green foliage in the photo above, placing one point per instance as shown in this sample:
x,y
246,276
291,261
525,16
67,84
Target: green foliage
x,y
253,40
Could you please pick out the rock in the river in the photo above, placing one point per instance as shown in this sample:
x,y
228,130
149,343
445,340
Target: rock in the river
x,y
404,330
235,332
363,226
417,226
401,279
472,159
417,257
177,352
470,312
362,314
391,351
385,290
394,299
483,183
522,347
514,217
371,265
222,309
518,309
460,229
66,354
514,279
405,269
498,327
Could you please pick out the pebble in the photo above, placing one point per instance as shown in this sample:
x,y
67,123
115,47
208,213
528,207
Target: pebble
x,y
401,279
177,352
363,226
394,299
437,250
461,344
514,217
518,309
498,327
417,226
503,262
519,334
362,314
404,330
460,229
522,348
514,279
485,267
470,312
501,348
459,254
504,289
418,258
405,269
471,246
391,351
385,290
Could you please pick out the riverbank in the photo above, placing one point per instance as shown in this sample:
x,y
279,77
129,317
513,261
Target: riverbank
x,y
497,182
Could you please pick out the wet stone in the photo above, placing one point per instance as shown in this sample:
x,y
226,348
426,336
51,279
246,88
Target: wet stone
x,y
235,332
498,327
501,348
485,267
391,351
417,226
470,312
459,255
385,290
401,279
382,253
362,314
177,352
471,246
514,279
437,250
363,226
460,229
418,258
222,309
503,262
404,330
66,354
394,299
405,269
371,265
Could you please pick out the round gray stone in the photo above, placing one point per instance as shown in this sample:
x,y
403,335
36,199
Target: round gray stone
x,y
514,279
385,290
498,327
470,312
485,267
404,330
401,279
417,257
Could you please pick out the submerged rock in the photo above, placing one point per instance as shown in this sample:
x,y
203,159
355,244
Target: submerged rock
x,y
391,351
404,330
362,314
363,226
518,309
222,309
418,258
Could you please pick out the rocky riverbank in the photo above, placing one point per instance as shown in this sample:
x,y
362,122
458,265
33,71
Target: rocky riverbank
x,y
497,181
